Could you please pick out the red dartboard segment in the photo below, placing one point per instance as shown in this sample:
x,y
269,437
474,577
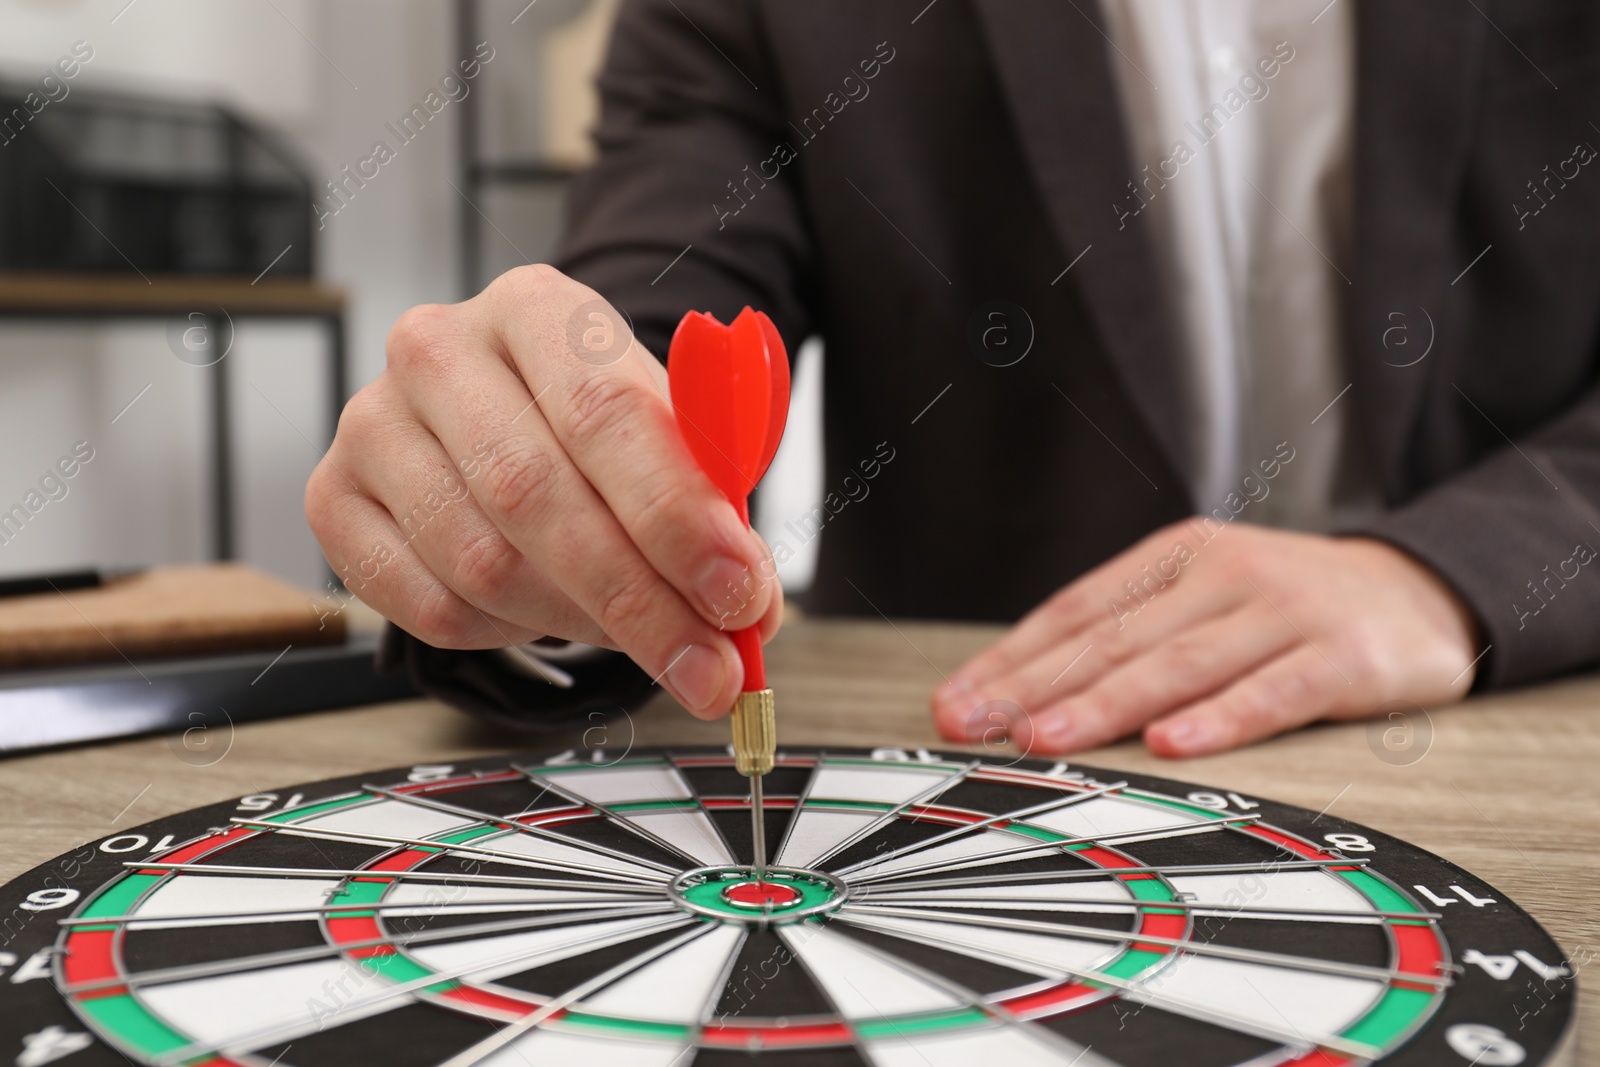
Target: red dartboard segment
x,y
1320,1058
90,956
206,846
557,816
1069,996
1419,953
403,861
1288,841
488,1002
743,803
351,929
735,1034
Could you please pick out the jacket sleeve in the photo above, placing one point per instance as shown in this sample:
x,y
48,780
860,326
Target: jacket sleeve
x,y
689,205
1516,536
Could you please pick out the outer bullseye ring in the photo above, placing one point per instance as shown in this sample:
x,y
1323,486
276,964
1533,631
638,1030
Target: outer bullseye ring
x,y
715,892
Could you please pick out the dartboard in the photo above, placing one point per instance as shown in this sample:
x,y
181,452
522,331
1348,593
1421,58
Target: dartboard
x,y
921,909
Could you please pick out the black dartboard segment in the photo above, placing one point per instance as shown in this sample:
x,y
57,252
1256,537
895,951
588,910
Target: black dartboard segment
x,y
924,909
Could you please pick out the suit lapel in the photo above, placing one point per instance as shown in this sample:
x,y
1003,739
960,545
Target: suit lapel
x,y
1419,67
1052,66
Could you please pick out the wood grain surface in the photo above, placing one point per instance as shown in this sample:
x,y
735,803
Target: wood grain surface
x,y
1509,787
36,292
164,611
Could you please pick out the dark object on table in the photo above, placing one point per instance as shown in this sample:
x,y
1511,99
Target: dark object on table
x,y
202,696
507,687
112,182
54,582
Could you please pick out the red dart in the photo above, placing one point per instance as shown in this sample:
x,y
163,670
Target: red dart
x,y
730,392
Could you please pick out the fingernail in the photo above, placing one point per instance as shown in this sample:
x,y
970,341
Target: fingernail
x,y
696,676
725,586
1054,732
978,725
1186,735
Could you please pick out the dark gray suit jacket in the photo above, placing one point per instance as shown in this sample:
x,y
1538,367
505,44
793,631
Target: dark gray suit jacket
x,y
878,172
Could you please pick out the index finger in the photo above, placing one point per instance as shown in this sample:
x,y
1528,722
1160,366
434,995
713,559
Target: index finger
x,y
604,397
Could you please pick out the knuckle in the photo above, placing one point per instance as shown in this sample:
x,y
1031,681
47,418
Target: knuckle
x,y
1115,642
1067,605
1186,663
319,499
1368,654
363,412
622,605
441,619
420,341
1290,690
601,404
521,484
528,281
485,567
667,509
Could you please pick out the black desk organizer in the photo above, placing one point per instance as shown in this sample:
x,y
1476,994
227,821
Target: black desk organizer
x,y
118,183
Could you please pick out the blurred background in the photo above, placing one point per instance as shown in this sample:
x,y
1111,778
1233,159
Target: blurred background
x,y
202,246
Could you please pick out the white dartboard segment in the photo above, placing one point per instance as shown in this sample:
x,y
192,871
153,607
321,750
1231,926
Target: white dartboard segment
x,y
232,900
621,784
999,1046
391,819
1324,898
817,831
1041,954
679,987
300,997
1274,998
555,1048
487,958
885,783
689,830
1104,896
859,982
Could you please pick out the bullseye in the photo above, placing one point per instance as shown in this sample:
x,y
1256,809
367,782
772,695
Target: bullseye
x,y
761,895
733,894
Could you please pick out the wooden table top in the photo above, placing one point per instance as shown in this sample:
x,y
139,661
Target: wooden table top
x,y
1510,788
81,293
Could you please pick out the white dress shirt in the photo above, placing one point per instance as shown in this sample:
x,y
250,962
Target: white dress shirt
x,y
1240,116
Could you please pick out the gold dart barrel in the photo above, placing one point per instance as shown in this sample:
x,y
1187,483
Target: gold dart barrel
x,y
755,732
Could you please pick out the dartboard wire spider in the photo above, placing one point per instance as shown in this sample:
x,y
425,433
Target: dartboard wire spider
x,y
1155,833
280,957
700,802
247,1042
512,1031
511,823
443,877
800,804
893,813
787,936
910,897
981,824
1137,992
442,906
708,1011
1096,933
293,830
970,997
534,774
1033,877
